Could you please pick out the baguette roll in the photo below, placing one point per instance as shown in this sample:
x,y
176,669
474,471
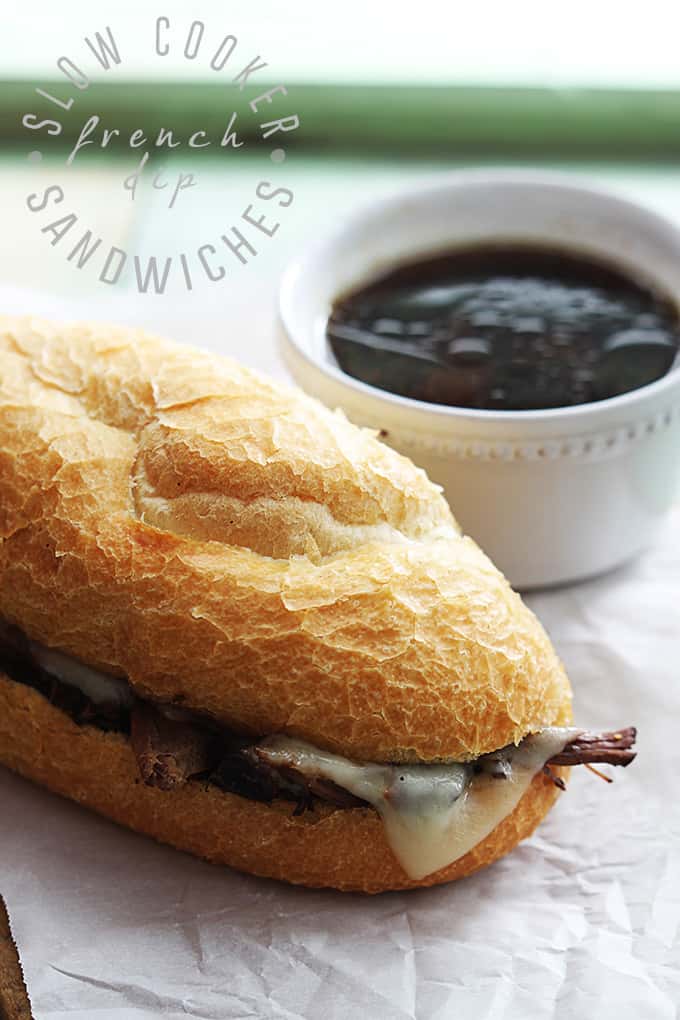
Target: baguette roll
x,y
232,548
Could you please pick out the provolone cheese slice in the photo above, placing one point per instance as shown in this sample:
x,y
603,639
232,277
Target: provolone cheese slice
x,y
98,687
433,814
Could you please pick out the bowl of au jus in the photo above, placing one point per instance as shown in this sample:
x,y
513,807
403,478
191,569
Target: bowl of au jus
x,y
517,335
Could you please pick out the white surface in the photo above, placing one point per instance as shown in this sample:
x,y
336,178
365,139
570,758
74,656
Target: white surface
x,y
526,42
582,489
581,921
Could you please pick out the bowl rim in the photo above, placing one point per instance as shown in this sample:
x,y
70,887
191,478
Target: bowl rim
x,y
426,187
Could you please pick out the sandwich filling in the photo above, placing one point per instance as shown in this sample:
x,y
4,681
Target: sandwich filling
x,y
432,813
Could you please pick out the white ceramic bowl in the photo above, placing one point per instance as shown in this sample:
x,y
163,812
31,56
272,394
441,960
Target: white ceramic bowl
x,y
551,496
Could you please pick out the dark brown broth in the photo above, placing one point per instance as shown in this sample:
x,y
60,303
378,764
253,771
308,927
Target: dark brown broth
x,y
505,328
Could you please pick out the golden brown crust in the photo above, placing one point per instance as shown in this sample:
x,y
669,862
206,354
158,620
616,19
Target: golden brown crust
x,y
341,848
230,544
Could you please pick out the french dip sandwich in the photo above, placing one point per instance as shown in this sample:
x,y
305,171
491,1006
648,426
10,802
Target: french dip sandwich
x,y
233,621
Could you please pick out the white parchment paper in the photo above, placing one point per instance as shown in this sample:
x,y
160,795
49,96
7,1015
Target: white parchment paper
x,y
581,921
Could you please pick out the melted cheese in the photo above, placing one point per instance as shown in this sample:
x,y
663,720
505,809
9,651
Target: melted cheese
x,y
433,814
100,688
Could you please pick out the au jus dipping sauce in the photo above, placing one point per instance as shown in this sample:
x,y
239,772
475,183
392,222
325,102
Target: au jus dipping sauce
x,y
505,328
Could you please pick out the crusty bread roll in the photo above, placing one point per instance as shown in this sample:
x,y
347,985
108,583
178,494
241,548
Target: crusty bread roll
x,y
229,545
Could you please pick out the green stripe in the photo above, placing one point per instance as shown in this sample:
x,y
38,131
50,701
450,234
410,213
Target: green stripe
x,y
407,118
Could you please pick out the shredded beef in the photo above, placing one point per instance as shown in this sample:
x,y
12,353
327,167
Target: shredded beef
x,y
610,748
168,751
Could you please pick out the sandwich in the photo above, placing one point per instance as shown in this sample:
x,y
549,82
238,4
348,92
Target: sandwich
x,y
234,621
